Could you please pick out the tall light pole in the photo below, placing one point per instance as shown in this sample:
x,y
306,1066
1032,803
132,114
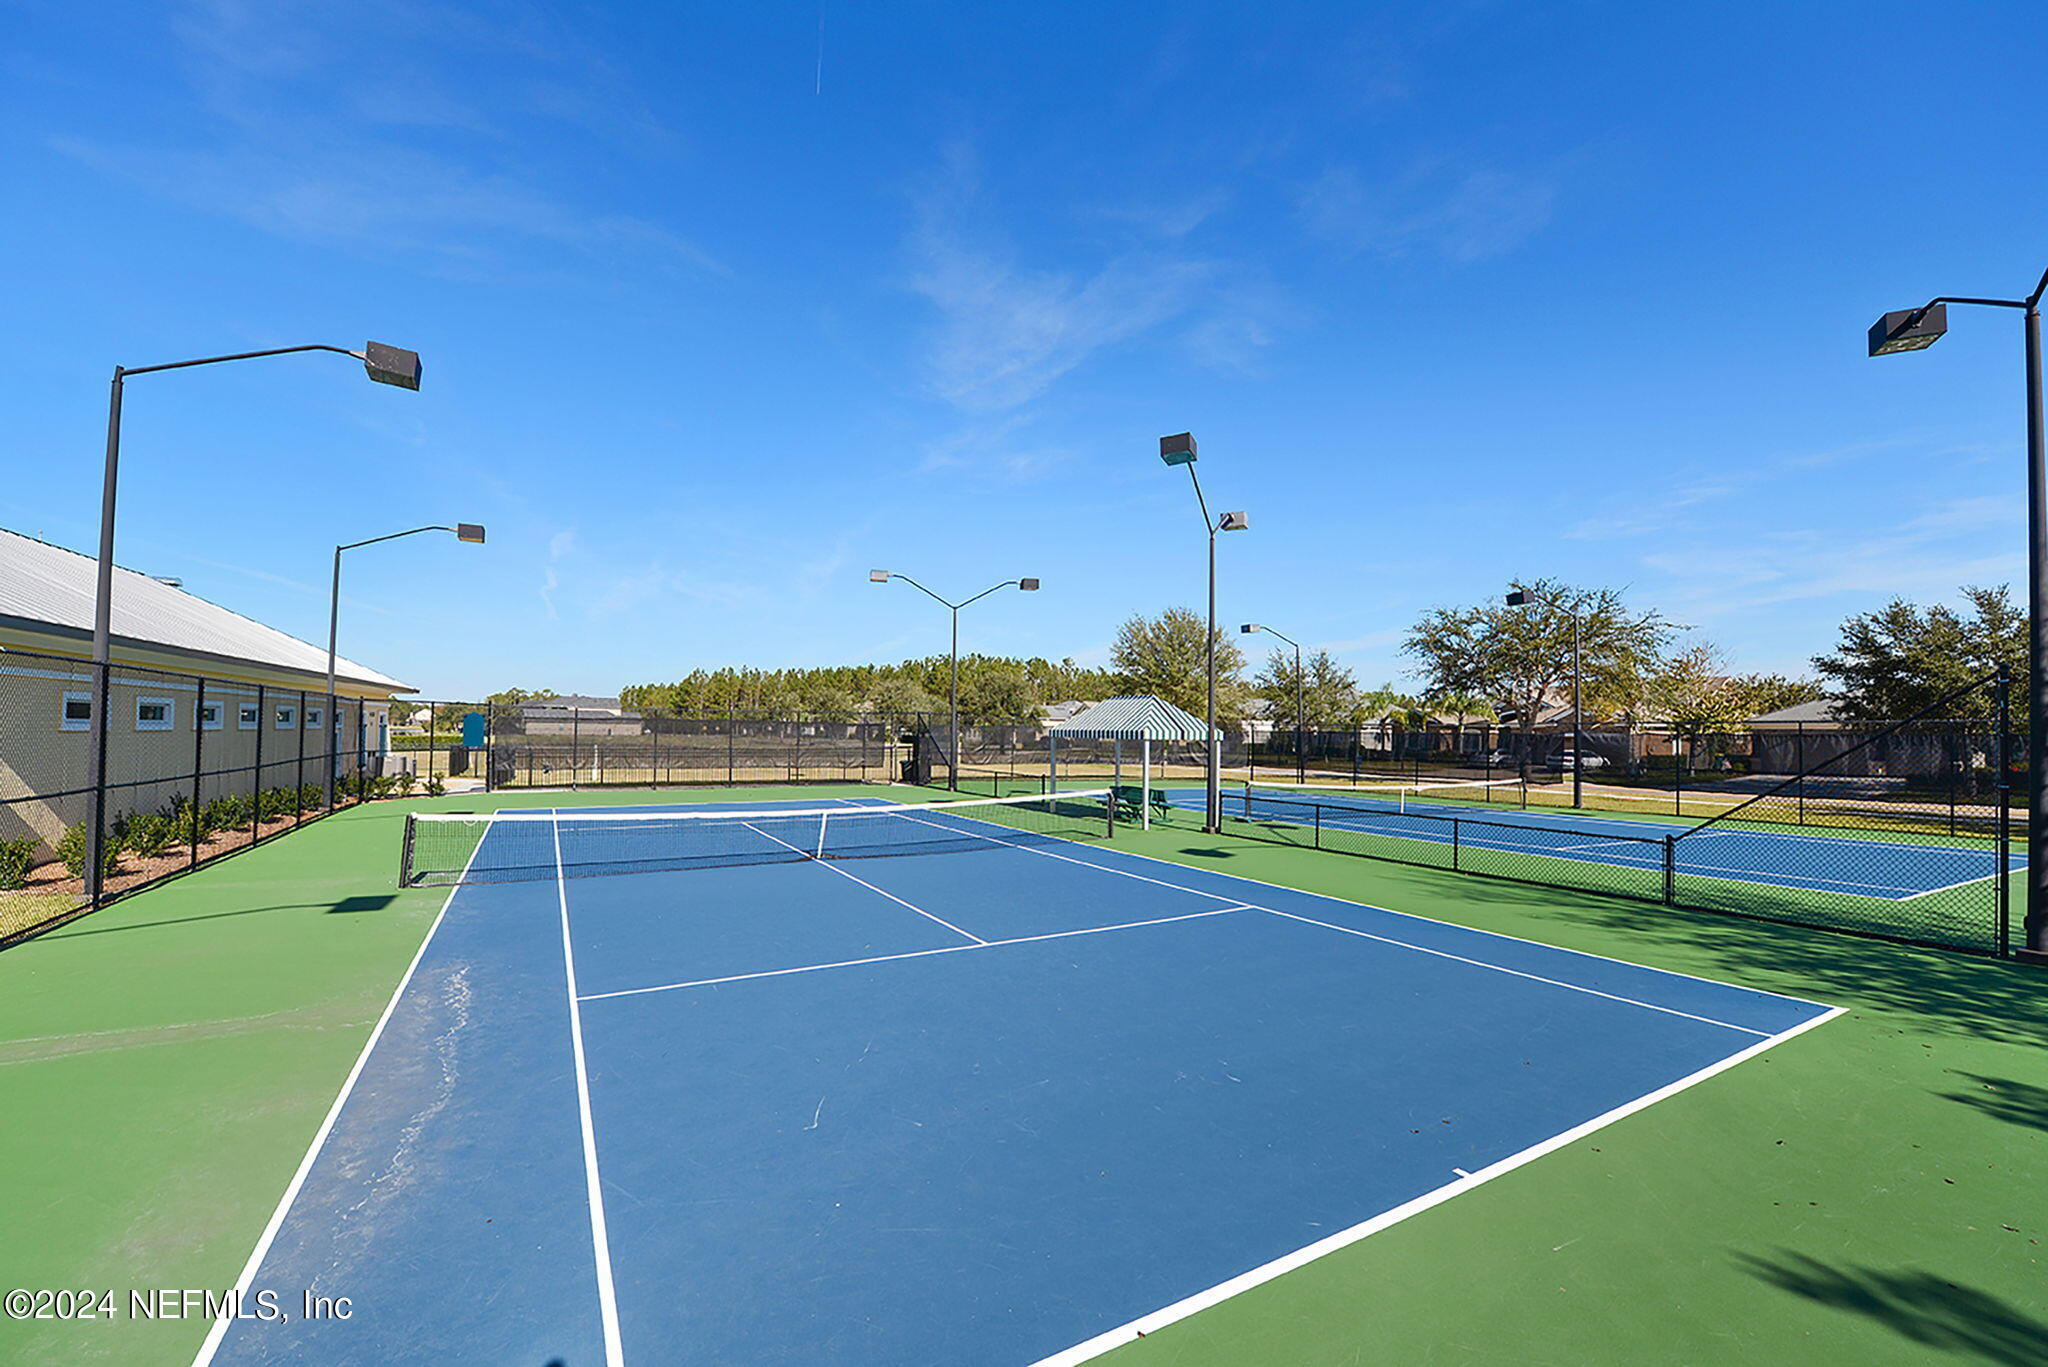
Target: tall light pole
x,y
1300,700
385,364
464,531
1521,598
1915,330
1179,449
953,691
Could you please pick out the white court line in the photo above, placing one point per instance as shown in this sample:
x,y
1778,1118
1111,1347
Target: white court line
x,y
291,1191
1245,1281
1373,906
913,954
607,1298
1980,878
1400,944
1513,972
864,883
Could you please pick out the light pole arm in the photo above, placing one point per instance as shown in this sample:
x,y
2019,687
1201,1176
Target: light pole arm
x,y
392,537
893,574
1200,502
985,593
238,356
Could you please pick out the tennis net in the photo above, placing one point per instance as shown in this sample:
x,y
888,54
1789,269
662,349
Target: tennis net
x,y
447,848
1473,795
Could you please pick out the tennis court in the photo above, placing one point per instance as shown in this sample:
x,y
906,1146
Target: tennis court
x,y
977,1086
1784,859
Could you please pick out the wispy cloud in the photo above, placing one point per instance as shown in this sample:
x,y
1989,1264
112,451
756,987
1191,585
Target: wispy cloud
x,y
1463,213
1929,555
560,545
315,136
1007,331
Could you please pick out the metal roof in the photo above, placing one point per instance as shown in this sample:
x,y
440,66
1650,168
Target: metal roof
x,y
48,590
1141,718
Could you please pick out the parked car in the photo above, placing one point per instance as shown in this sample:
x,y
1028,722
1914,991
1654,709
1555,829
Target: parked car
x,y
1494,759
1562,761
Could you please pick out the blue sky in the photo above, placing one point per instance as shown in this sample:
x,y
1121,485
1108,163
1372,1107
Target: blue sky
x,y
722,305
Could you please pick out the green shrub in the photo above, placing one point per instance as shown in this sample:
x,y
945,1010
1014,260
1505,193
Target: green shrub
x,y
230,813
151,833
72,850
17,859
435,788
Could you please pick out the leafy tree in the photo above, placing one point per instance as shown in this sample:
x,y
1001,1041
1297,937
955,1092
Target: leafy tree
x,y
1903,658
1523,656
1693,691
1769,692
1167,656
1329,691
997,691
900,696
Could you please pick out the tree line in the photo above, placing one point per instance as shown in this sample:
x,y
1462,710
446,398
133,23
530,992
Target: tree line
x,y
992,688
1474,663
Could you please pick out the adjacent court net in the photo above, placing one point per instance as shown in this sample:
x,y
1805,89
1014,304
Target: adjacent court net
x,y
1474,795
447,848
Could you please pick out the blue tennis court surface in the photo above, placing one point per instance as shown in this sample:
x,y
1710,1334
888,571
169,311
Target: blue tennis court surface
x,y
1011,1103
1785,859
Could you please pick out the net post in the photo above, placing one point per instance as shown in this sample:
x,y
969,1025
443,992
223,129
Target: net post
x,y
824,819
405,850
1110,807
1670,870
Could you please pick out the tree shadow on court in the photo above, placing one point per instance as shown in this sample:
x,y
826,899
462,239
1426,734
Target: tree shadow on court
x,y
1953,993
1927,1309
2002,1098
344,906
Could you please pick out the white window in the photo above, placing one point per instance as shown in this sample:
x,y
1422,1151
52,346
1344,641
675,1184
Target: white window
x,y
287,718
77,713
154,714
209,716
247,717
312,719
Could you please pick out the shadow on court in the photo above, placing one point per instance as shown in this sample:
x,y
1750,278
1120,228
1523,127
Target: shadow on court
x,y
2003,1098
1959,994
1917,1305
344,906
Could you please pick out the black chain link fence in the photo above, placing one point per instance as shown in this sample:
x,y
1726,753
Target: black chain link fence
x,y
196,768
1897,830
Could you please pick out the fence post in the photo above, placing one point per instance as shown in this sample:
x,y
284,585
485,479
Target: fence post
x,y
1799,768
2002,793
1670,870
256,783
575,735
1319,824
299,769
1454,845
198,759
731,719
654,748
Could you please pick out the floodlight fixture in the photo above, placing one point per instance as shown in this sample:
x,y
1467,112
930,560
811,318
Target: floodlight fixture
x,y
878,576
392,365
1908,330
1249,627
1234,522
1028,585
1519,598
469,531
1178,449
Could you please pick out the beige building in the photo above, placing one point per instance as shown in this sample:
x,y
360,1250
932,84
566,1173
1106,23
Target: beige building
x,y
202,699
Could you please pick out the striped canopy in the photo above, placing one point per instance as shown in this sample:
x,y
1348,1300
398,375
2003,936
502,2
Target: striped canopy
x,y
1141,718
